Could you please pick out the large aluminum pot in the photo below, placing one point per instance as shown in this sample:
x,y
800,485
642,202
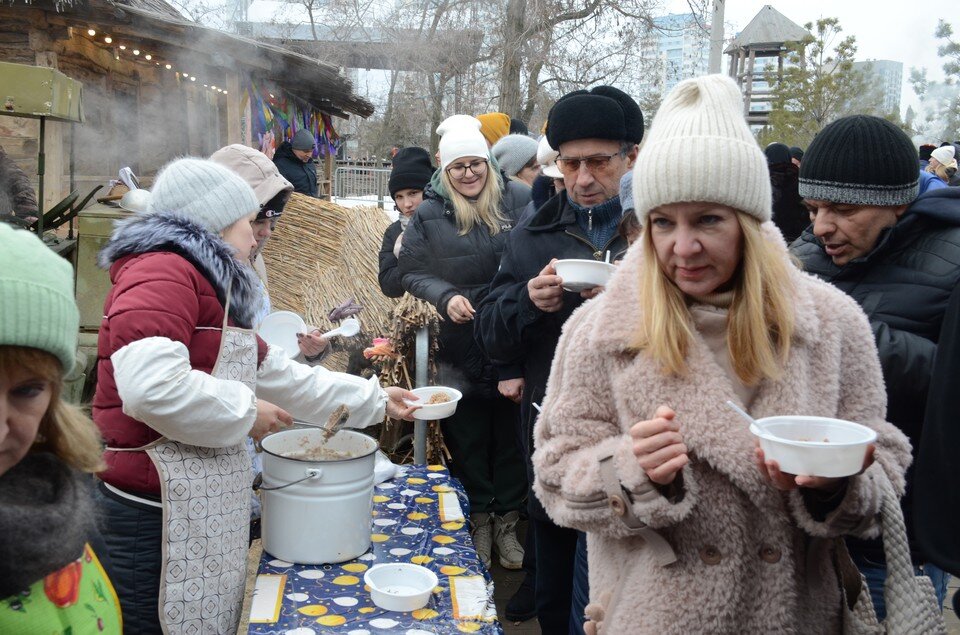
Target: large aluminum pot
x,y
317,511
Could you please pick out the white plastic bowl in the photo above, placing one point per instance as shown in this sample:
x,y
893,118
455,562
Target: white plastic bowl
x,y
580,275
434,412
280,328
814,446
399,586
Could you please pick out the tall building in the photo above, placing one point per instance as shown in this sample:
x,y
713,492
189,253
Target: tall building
x,y
887,76
678,46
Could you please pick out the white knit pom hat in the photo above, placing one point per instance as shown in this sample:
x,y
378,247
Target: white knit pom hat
x,y
204,192
460,137
702,117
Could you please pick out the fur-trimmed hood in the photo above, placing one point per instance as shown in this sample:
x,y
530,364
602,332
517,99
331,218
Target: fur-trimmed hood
x,y
206,251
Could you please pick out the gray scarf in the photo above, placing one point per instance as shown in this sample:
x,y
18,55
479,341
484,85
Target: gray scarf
x,y
46,516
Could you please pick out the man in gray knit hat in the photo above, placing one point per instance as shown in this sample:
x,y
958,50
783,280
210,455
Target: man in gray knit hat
x,y
898,255
294,159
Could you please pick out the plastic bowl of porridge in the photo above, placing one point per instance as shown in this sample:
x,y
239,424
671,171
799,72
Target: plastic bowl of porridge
x,y
398,586
436,402
814,446
580,275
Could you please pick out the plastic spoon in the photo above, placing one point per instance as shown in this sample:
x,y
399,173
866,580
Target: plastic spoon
x,y
754,426
348,328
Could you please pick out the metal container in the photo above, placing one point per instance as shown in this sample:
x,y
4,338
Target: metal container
x,y
317,511
95,224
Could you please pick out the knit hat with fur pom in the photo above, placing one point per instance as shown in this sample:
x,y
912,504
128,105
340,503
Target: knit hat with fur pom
x,y
704,117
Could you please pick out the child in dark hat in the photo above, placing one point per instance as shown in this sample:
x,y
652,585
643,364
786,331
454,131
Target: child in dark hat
x,y
411,173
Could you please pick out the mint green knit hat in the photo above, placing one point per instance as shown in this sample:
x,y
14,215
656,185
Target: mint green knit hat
x,y
37,307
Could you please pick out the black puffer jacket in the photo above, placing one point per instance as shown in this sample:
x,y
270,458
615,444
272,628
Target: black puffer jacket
x,y
437,263
302,175
510,329
904,287
789,213
389,275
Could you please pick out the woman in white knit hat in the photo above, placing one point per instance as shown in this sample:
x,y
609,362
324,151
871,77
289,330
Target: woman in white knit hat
x,y
182,380
689,527
451,250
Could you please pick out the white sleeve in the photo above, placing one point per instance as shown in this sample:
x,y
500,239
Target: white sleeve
x,y
158,386
312,393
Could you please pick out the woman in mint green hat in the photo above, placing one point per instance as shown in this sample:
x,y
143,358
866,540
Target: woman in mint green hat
x,y
51,581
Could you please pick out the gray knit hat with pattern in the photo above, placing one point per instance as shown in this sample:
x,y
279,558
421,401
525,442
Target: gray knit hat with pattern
x,y
204,192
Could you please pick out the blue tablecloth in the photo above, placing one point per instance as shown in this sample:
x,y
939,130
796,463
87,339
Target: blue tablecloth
x,y
417,517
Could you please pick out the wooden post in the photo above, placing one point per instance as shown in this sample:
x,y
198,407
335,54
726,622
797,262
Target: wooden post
x,y
54,155
235,119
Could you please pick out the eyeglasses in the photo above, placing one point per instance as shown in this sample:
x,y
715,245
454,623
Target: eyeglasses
x,y
459,170
596,163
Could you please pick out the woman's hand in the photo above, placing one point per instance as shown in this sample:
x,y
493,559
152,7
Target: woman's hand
x,y
658,446
270,418
311,344
786,482
396,407
460,310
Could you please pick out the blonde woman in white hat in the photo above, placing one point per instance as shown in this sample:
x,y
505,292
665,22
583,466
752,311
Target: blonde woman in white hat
x,y
451,250
689,527
943,163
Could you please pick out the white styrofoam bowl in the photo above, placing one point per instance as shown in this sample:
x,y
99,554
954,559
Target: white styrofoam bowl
x,y
280,328
580,275
814,446
435,411
398,586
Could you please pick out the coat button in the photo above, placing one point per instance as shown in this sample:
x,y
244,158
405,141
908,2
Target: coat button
x,y
617,505
771,554
710,555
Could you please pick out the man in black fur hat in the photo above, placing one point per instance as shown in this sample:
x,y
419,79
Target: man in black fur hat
x,y
596,133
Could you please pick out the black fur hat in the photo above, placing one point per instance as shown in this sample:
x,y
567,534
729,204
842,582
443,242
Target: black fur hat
x,y
603,112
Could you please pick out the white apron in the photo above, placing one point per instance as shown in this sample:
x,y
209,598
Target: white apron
x,y
205,493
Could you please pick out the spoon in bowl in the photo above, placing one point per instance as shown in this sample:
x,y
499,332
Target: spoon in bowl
x,y
754,426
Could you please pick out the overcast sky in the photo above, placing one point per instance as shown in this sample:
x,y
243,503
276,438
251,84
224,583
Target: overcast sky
x,y
885,29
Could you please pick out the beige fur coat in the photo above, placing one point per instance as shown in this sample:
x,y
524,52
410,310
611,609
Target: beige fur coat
x,y
749,558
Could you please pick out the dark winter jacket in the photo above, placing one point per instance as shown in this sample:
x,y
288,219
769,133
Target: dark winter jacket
x,y
789,213
510,329
437,263
389,276
904,287
302,175
170,279
936,498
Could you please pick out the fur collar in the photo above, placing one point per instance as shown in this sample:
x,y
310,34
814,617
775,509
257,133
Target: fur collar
x,y
717,435
206,251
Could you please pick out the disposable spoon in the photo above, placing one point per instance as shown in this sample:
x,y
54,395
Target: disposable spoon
x,y
348,328
754,426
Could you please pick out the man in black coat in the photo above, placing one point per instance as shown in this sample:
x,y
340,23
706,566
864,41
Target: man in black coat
x,y
898,256
519,322
410,175
294,159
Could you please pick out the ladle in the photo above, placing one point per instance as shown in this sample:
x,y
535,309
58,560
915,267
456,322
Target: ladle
x,y
348,328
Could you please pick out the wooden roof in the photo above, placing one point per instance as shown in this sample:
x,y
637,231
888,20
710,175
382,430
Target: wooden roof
x,y
317,82
768,29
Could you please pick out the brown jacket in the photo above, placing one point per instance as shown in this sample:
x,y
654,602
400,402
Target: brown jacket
x,y
748,558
